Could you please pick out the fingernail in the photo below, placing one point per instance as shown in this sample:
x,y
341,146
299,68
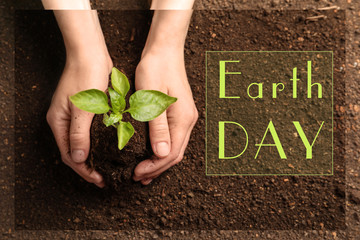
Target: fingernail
x,y
147,181
100,185
162,149
97,177
136,178
78,155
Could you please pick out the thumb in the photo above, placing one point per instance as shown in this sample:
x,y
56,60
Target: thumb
x,y
80,134
160,135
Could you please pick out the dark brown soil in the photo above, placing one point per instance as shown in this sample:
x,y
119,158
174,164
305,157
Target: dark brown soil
x,y
50,196
117,166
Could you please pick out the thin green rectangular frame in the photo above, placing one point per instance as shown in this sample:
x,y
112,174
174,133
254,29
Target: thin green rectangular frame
x,y
276,174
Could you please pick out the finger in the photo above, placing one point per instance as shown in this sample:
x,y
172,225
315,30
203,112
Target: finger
x,y
160,136
178,135
152,175
80,134
86,173
149,177
146,181
60,127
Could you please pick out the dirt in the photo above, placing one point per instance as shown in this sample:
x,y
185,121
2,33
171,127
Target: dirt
x,y
117,166
183,197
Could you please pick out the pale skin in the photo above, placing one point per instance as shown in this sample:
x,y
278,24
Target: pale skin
x,y
88,65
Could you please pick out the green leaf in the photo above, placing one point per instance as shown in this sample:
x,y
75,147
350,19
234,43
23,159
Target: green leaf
x,y
119,82
145,105
92,100
124,131
112,119
117,101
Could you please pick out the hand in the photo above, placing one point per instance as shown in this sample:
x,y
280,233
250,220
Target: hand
x,y
88,65
70,125
170,132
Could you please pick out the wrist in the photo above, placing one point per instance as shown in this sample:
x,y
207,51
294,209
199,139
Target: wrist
x,y
163,50
168,32
161,62
83,37
82,44
89,58
172,5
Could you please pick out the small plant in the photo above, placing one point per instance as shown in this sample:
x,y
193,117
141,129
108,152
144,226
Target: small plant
x,y
145,105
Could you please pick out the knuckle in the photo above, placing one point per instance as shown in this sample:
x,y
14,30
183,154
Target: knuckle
x,y
76,137
139,69
191,116
179,159
65,161
161,129
82,168
49,117
196,115
188,115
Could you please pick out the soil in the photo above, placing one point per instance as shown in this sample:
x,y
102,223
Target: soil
x,y
117,166
183,197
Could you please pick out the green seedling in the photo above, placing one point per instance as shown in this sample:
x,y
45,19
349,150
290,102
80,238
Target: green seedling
x,y
145,105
